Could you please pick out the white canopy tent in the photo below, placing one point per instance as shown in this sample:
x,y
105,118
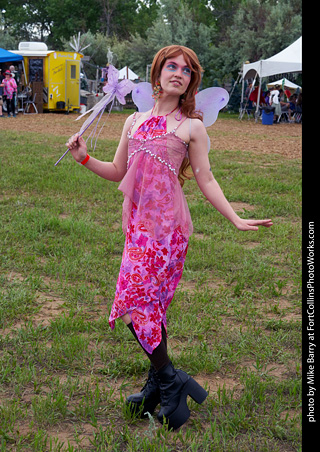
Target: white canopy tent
x,y
285,82
127,73
288,60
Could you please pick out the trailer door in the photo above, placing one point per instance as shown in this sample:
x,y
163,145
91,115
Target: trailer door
x,y
72,84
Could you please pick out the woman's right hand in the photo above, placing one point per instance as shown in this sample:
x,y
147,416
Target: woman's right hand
x,y
78,148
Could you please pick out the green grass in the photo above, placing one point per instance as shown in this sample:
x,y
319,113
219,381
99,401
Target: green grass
x,y
234,322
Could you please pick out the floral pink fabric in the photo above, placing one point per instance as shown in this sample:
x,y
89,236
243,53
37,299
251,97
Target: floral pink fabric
x,y
153,126
10,87
156,234
149,274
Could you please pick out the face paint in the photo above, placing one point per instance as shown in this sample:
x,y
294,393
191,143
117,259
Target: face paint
x,y
175,76
173,67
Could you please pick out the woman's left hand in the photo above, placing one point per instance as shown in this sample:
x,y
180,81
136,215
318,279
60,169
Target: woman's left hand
x,y
252,225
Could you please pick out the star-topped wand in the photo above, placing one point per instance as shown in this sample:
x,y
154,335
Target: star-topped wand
x,y
114,89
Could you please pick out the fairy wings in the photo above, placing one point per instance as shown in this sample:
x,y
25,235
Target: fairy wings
x,y
208,101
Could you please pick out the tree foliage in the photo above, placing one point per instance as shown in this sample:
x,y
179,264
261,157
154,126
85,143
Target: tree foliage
x,y
223,33
259,29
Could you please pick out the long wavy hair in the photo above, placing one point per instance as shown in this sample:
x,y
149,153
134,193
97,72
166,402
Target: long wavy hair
x,y
187,102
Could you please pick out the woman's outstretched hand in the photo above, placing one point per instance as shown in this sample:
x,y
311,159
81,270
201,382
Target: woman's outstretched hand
x,y
78,148
252,225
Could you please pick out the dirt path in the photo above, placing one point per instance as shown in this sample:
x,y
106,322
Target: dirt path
x,y
226,134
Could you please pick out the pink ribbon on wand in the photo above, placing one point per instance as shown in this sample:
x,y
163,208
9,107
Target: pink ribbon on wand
x,y
114,89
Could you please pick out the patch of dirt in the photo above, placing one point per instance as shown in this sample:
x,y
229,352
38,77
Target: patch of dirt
x,y
276,370
241,206
282,139
214,383
51,307
193,286
226,134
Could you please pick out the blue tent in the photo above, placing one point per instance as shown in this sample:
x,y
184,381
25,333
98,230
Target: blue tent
x,y
5,56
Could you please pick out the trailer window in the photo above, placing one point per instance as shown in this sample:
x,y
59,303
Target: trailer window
x,y
73,71
36,69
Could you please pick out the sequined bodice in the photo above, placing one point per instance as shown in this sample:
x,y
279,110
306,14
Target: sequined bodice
x,y
151,181
152,138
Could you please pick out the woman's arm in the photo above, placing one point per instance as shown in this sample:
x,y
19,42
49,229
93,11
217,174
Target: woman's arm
x,y
113,171
198,155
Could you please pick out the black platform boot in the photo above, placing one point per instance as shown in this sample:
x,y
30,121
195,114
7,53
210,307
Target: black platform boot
x,y
175,386
148,398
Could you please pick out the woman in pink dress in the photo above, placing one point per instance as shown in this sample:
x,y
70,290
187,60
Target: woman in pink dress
x,y
10,91
151,162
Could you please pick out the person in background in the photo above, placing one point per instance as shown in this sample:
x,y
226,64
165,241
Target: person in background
x,y
292,106
254,96
298,115
16,75
275,102
266,97
285,104
1,94
10,91
247,100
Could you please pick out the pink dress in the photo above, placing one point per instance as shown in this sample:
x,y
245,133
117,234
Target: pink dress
x,y
157,224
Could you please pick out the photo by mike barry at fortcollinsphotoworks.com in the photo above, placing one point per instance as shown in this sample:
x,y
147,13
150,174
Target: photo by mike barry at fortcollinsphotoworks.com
x,y
311,324
310,390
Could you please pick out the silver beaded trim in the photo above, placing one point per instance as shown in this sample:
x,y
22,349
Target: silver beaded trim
x,y
155,156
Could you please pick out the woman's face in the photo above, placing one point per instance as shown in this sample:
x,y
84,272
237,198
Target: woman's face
x,y
175,76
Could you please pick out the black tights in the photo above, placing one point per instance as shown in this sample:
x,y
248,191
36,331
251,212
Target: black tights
x,y
10,106
159,358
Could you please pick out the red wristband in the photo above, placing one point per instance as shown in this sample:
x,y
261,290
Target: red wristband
x,y
85,160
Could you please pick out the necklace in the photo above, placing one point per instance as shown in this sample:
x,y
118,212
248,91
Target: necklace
x,y
164,115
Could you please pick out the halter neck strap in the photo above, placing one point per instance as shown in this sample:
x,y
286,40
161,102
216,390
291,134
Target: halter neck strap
x,y
166,114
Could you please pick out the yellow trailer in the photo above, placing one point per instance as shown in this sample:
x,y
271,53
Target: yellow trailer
x,y
59,73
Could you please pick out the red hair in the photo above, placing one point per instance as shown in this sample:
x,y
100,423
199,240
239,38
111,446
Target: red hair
x,y
187,101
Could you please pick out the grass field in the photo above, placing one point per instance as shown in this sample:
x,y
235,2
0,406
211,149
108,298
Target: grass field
x,y
234,323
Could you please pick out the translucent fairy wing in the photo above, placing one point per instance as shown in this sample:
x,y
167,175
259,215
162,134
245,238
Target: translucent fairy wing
x,y
142,96
210,101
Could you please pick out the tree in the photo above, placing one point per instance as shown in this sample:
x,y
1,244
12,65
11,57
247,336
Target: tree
x,y
259,29
26,19
53,21
7,38
174,25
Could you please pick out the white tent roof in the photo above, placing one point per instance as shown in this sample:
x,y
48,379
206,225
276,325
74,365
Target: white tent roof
x,y
287,83
288,60
126,72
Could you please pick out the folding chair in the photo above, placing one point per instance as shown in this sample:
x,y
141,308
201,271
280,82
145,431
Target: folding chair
x,y
27,106
297,117
284,116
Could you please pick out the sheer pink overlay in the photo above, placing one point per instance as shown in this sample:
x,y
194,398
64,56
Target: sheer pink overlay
x,y
151,182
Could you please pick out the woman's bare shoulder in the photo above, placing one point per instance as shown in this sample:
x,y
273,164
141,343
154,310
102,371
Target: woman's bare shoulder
x,y
197,127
